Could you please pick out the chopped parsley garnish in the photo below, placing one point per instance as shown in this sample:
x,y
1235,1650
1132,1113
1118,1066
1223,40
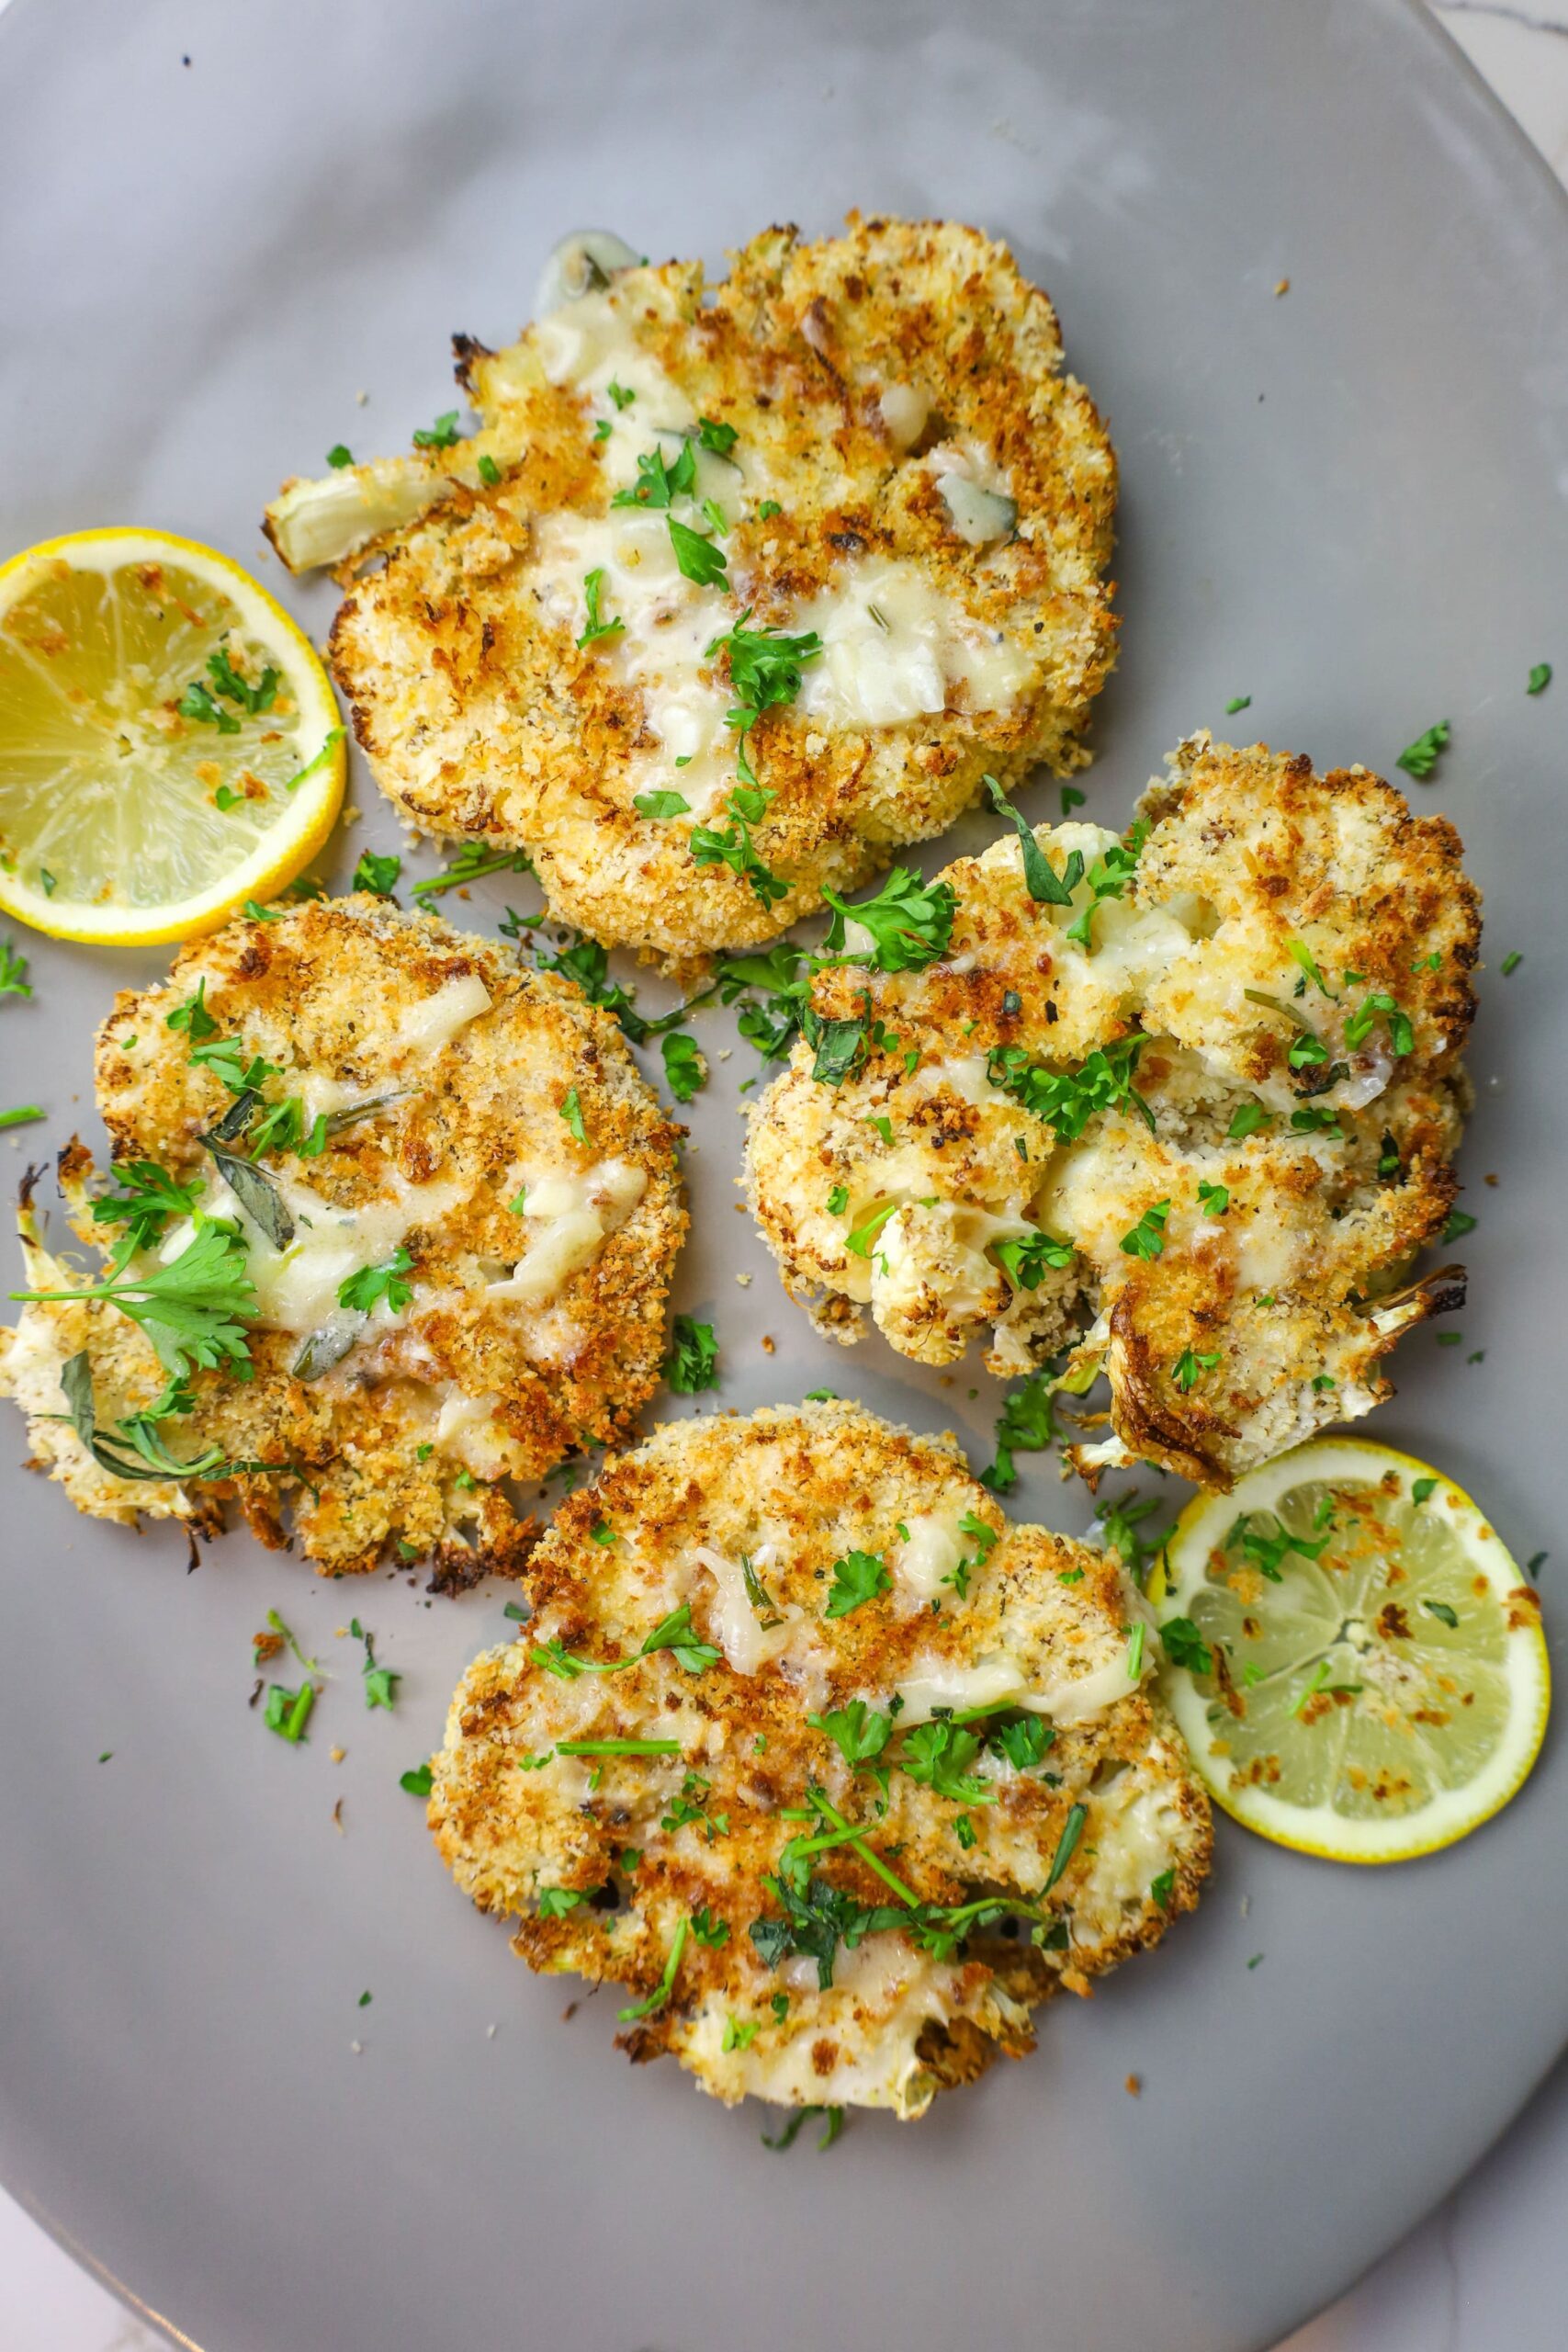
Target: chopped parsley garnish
x,y
1316,1120
1146,1238
194,1311
1067,1845
441,434
377,872
909,921
1069,1099
1421,758
1027,1426
838,1200
339,456
593,587
14,979
1511,962
616,1747
1071,799
1162,1887
859,1241
22,1115
572,1112
554,1901
288,1712
666,1984
417,1782
657,483
858,1577
1238,702
1213,1199
1191,1365
371,1285
737,2036
714,1933
1040,879
768,509
380,1681
1358,1024
1024,1258
1108,877
148,1197
472,860
939,1755
1423,1490
696,558
683,1067
1245,1120
859,1733
1540,678
1302,954
662,804
1267,1553
692,1362
489,472
746,807
1458,1224
1441,1612
719,438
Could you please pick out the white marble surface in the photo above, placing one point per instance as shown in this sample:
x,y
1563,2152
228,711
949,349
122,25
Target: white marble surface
x,y
1489,2271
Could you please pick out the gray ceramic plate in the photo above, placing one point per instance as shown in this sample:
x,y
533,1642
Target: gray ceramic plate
x,y
217,227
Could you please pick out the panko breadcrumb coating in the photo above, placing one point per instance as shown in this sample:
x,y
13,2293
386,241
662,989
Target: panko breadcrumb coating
x,y
1215,1128
473,1153
873,1773
867,442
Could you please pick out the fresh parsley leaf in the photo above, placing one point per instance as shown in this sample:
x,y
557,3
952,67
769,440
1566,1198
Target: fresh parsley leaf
x,y
593,587
734,847
1191,1365
1441,1612
1245,1120
1423,1490
857,1579
683,1066
939,1755
235,687
489,472
1067,1845
1162,1887
909,923
858,1732
572,1112
1238,702
339,456
473,861
1459,1223
719,437
1540,678
1067,1099
675,1634
657,483
377,874
1146,1238
1040,875
666,1984
417,1782
380,1681
365,1290
714,1933
1023,1738
554,1901
148,1197
1108,878
14,979
194,1309
662,804
1213,1199
859,1241
1027,1426
441,434
1025,1257
288,1712
1268,1552
1421,758
691,1365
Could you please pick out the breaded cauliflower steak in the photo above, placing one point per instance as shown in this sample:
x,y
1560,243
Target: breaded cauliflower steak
x,y
796,1923
482,1130
1217,1129
873,441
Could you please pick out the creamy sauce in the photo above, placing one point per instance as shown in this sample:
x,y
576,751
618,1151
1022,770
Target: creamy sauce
x,y
991,1682
429,1025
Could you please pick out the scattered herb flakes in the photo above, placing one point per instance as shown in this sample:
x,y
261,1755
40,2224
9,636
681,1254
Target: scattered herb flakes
x,y
1423,1490
472,862
597,625
666,1984
858,1577
691,1365
1238,702
1540,678
23,1116
572,1112
1512,961
377,872
441,434
339,456
288,1712
684,1069
371,1285
1420,758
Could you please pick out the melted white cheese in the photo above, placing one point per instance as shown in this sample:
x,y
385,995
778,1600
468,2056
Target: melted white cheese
x,y
933,1550
432,1023
573,1214
296,1288
895,648
465,1428
991,1681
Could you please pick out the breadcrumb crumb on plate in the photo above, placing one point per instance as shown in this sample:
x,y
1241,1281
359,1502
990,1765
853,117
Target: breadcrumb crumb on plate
x,y
1196,1147
866,443
469,1126
656,1775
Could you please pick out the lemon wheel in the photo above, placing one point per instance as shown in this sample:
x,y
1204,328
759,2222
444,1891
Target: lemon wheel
x,y
1355,1661
169,743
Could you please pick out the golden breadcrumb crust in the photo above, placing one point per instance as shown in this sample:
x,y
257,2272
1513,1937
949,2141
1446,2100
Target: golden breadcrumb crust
x,y
483,717
605,1855
413,1433
1270,909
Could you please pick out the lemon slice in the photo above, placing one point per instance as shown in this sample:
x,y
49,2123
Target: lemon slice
x,y
169,743
1356,1662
